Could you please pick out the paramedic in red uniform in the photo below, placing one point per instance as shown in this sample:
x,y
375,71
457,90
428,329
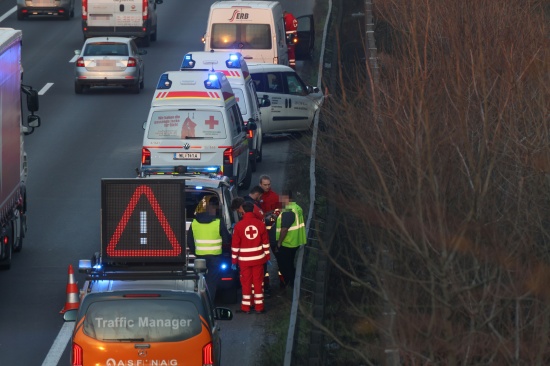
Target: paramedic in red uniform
x,y
291,29
250,248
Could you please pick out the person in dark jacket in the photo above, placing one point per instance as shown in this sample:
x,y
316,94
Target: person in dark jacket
x,y
206,238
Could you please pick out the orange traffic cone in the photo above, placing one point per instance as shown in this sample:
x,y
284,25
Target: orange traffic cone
x,y
72,293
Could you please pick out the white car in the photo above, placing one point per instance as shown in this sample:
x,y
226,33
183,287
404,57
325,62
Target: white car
x,y
293,104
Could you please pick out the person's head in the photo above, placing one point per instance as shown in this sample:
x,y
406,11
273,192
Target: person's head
x,y
213,205
237,203
265,183
256,193
286,197
248,207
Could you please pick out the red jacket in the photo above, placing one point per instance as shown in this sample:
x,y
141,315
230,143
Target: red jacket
x,y
250,243
291,23
270,201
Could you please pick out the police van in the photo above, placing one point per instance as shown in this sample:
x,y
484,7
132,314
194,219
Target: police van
x,y
128,18
234,67
140,303
292,103
195,125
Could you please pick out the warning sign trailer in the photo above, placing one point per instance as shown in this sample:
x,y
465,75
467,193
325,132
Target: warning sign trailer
x,y
143,222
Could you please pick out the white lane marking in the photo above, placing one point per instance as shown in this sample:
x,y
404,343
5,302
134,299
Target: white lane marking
x,y
73,60
45,89
8,13
58,346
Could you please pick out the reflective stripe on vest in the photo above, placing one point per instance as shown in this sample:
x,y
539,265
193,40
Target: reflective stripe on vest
x,y
208,240
296,235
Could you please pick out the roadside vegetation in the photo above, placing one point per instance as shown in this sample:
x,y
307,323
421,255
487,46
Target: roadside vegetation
x,y
442,171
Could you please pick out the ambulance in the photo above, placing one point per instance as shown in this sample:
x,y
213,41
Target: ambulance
x,y
128,18
234,67
195,125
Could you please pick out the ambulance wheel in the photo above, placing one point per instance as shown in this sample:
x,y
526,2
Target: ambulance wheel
x,y
78,89
8,247
248,178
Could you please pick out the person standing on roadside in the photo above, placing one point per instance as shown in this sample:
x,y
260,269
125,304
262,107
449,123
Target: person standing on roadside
x,y
291,30
250,249
206,237
290,235
270,199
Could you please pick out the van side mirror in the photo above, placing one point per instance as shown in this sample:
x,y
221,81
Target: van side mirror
x,y
312,89
77,52
144,124
223,314
265,102
251,125
70,315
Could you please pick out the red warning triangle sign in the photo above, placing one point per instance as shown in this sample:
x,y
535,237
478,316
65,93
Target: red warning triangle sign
x,y
138,193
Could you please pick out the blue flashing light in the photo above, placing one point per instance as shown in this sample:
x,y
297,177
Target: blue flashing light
x,y
97,266
223,266
164,82
188,62
213,82
212,168
198,188
234,61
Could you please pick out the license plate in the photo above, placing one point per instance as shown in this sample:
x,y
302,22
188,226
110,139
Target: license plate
x,y
187,156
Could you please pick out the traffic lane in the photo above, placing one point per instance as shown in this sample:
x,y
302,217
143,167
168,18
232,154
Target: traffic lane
x,y
82,139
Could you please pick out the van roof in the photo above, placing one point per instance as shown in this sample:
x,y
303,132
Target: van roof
x,y
245,4
231,64
202,88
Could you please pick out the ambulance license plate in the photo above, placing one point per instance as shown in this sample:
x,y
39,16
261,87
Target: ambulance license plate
x,y
187,156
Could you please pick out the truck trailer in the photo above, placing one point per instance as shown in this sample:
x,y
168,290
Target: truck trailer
x,y
13,160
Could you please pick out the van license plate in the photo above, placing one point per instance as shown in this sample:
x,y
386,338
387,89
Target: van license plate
x,y
187,156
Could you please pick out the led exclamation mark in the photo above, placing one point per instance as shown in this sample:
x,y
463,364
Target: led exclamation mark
x,y
143,226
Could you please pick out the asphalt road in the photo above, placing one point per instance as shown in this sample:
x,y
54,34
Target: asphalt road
x,y
84,138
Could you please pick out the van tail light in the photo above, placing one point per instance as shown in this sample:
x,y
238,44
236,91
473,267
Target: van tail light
x,y
228,156
145,9
207,359
78,355
80,62
84,9
145,156
250,134
131,62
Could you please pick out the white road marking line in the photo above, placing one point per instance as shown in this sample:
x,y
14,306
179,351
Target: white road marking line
x,y
45,89
8,13
58,346
73,60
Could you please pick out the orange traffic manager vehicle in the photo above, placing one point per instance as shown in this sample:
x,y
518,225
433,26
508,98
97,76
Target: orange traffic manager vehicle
x,y
140,305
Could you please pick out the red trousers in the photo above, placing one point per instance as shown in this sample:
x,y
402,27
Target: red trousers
x,y
252,275
291,55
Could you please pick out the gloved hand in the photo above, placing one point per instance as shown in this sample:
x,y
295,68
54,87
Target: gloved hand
x,y
269,262
234,267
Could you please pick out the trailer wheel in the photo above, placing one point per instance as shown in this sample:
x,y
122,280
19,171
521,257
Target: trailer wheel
x,y
20,225
6,240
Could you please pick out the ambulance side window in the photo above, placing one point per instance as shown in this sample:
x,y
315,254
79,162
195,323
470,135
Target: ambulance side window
x,y
236,119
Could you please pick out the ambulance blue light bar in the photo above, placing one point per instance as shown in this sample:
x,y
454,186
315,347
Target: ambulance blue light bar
x,y
188,62
213,82
164,82
234,61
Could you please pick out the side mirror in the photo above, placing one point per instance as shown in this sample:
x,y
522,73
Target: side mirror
x,y
70,315
33,121
251,125
312,89
144,124
142,52
77,52
32,98
265,102
223,314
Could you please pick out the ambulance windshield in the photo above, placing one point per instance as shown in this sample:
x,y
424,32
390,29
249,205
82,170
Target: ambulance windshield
x,y
231,36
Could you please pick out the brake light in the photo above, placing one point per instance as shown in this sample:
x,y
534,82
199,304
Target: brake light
x,y
207,355
84,9
80,62
5,239
145,9
228,156
145,156
78,355
131,62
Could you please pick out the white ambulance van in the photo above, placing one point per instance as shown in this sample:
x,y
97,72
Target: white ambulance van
x,y
234,67
127,18
256,29
195,125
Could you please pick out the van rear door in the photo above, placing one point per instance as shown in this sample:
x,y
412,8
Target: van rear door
x,y
111,13
306,38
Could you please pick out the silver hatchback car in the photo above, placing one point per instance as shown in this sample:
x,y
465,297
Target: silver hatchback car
x,y
61,8
109,61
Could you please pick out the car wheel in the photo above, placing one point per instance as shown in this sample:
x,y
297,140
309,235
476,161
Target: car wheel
x,y
248,178
6,262
78,89
135,88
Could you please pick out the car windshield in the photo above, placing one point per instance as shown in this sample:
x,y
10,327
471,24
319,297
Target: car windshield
x,y
181,125
106,49
142,320
251,36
